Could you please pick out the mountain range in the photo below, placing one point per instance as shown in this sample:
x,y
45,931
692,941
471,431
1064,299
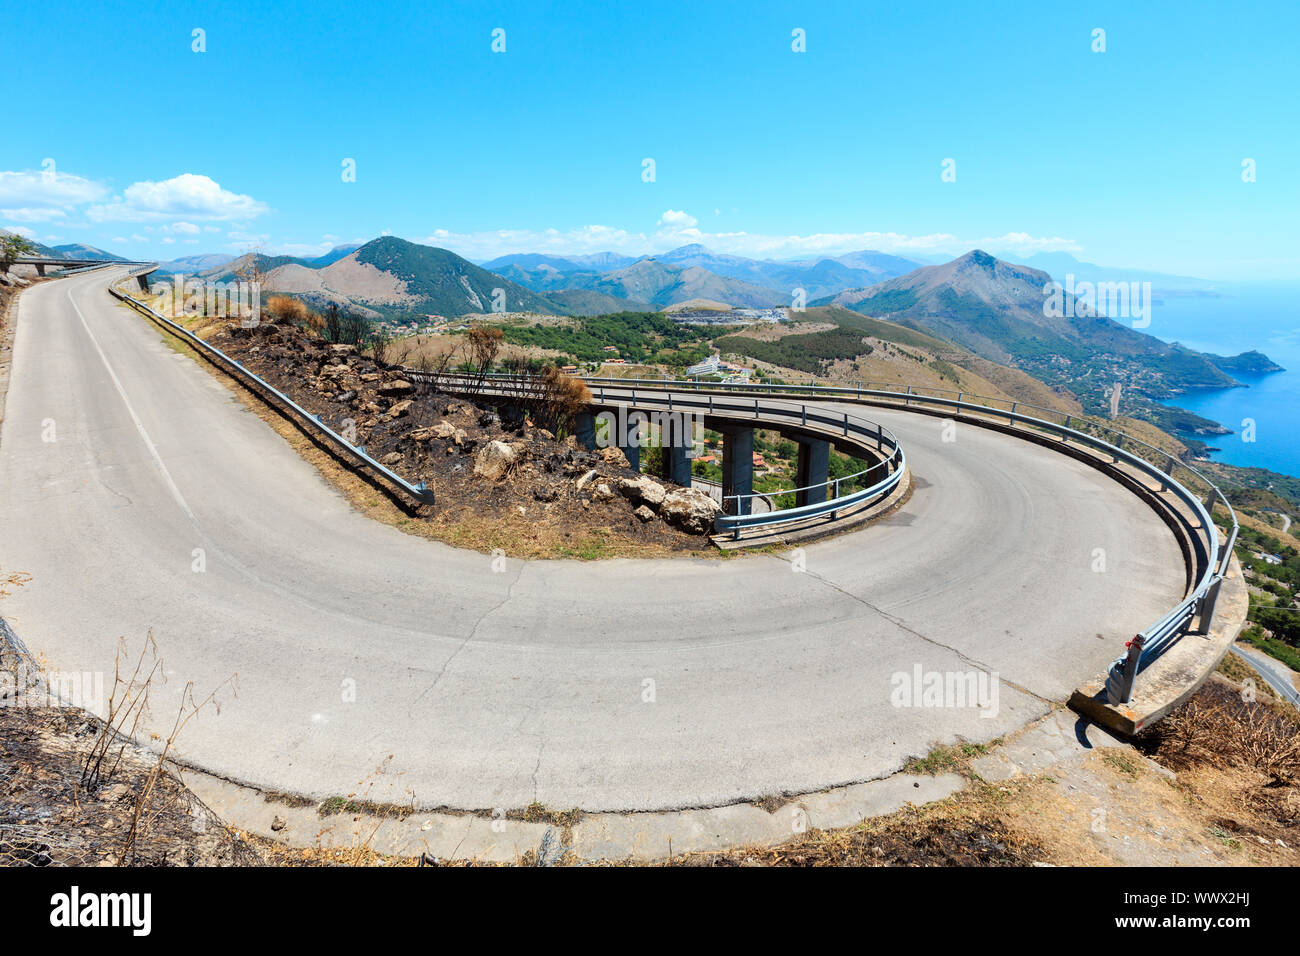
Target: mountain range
x,y
997,310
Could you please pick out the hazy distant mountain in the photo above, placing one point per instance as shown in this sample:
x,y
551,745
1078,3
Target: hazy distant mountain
x,y
817,277
335,254
399,277
590,302
77,250
996,309
1061,264
194,265
661,284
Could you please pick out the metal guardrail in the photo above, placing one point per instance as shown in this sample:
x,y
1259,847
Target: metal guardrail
x,y
420,492
838,426
1149,644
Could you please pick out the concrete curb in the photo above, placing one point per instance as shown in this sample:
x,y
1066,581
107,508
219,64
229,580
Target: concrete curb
x,y
595,837
1177,674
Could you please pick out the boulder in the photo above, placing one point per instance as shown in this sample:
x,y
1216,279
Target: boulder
x,y
494,460
398,409
689,509
392,458
613,456
602,492
642,490
582,482
644,513
395,389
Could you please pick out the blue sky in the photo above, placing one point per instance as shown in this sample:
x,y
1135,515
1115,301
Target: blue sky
x,y
1131,157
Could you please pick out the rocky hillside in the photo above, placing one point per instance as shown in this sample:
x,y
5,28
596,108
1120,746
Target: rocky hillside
x,y
490,467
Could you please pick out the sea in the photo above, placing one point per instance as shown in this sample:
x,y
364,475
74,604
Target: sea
x,y
1258,315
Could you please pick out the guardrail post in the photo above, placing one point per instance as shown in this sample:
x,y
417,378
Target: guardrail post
x,y
1119,683
1206,610
812,471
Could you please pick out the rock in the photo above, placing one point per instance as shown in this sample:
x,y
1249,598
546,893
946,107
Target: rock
x,y
690,509
546,493
586,478
644,513
396,388
392,458
342,350
494,460
489,419
345,396
602,492
642,489
398,409
613,456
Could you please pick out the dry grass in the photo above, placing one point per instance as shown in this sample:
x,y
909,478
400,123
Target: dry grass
x,y
1221,728
971,828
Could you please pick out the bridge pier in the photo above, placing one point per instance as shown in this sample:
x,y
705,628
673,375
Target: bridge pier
x,y
675,440
629,438
40,268
737,468
813,469
584,429
143,282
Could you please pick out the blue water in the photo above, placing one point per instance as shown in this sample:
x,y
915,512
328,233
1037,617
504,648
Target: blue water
x,y
1263,316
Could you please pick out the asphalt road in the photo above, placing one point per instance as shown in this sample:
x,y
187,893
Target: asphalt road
x,y
1276,674
375,663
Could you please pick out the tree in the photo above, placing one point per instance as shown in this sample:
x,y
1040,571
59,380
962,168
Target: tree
x,y
484,345
12,247
333,323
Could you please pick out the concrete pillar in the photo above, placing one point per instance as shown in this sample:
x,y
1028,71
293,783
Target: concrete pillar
x,y
584,429
629,442
40,268
143,282
813,469
737,468
675,441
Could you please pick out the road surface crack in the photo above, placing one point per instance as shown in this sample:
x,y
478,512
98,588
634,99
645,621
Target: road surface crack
x,y
903,625
510,590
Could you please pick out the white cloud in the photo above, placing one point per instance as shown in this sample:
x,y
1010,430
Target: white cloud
x,y
189,195
33,214
21,231
185,228
676,219
677,229
32,196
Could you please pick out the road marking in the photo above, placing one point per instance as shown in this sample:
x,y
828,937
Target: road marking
x,y
139,426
